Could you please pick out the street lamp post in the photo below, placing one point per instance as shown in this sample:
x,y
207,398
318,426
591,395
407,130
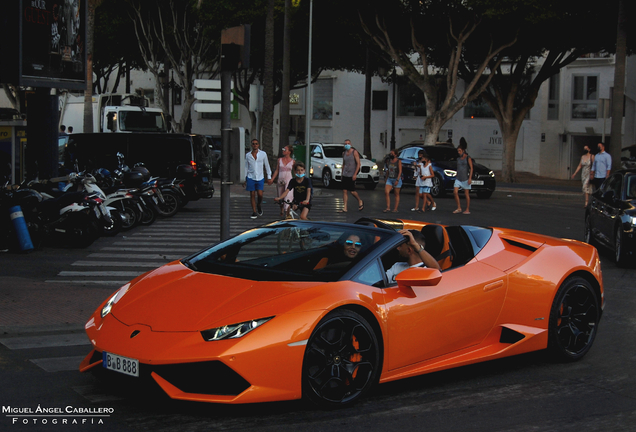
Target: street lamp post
x,y
308,93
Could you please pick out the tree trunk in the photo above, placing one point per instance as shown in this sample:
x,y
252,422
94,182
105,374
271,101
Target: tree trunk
x,y
619,88
88,93
268,81
510,133
368,74
284,101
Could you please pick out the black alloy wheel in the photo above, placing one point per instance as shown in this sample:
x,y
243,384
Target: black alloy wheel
x,y
574,319
620,254
115,226
326,178
437,190
342,360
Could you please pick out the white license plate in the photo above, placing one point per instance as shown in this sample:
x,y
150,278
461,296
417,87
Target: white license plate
x,y
477,182
363,176
120,364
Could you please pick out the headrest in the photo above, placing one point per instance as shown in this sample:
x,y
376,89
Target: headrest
x,y
435,242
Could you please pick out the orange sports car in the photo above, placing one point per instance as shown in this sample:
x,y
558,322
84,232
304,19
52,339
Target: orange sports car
x,y
305,309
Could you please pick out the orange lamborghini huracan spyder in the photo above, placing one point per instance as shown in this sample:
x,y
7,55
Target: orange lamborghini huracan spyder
x,y
305,309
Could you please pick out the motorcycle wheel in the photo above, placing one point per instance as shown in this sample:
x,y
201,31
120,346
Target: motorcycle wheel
x,y
115,226
84,236
170,206
131,216
148,216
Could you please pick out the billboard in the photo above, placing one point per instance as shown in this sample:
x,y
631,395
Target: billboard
x,y
50,37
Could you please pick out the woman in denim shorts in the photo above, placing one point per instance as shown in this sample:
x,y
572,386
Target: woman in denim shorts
x,y
393,181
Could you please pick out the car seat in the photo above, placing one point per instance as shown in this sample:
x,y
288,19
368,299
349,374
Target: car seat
x,y
438,245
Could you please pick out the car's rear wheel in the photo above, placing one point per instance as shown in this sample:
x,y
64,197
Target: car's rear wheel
x,y
574,320
327,181
342,360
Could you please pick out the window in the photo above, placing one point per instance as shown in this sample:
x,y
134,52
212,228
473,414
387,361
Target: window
x,y
553,97
380,100
584,96
323,99
411,101
478,109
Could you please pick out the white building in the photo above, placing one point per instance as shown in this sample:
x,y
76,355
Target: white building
x,y
566,116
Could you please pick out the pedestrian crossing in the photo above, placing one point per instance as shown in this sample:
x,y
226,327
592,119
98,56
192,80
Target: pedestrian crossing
x,y
144,248
52,342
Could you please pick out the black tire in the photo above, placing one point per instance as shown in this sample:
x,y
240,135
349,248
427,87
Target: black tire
x,y
148,217
574,319
131,216
370,186
84,236
484,194
327,180
115,226
437,190
342,360
620,254
170,205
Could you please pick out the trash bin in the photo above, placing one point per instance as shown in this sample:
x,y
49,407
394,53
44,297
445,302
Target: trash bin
x,y
300,151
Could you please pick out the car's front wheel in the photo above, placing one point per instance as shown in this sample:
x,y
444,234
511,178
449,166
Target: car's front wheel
x,y
574,319
437,190
620,254
327,181
342,360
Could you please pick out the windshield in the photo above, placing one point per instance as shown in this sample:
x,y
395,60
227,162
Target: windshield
x,y
141,121
630,186
290,251
334,151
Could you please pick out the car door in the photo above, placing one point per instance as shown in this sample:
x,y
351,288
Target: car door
x,y
317,161
608,207
457,313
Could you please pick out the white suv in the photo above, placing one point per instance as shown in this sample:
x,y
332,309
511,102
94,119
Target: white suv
x,y
326,164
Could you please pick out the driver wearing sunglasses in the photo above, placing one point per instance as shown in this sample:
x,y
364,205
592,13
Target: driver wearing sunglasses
x,y
352,246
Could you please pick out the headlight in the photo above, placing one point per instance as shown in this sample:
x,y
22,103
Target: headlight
x,y
337,166
114,299
632,220
491,174
374,167
450,173
233,331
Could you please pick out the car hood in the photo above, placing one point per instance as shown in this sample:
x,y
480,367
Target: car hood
x,y
175,298
452,165
338,160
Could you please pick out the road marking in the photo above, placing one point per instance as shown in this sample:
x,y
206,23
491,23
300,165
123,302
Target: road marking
x,y
95,394
59,364
48,341
99,273
118,264
90,282
146,249
168,258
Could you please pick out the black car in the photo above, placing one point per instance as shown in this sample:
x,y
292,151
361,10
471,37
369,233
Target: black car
x,y
610,219
444,163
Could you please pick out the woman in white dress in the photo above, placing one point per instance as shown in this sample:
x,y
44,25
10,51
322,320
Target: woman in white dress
x,y
585,166
284,169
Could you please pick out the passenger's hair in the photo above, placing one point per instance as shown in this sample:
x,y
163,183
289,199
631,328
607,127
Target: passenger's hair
x,y
418,237
462,143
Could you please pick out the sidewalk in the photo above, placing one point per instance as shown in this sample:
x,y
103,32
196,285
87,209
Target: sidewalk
x,y
527,183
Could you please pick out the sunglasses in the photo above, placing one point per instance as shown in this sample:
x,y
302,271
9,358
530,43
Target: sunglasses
x,y
351,243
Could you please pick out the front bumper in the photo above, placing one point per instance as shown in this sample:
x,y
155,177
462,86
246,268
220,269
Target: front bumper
x,y
263,366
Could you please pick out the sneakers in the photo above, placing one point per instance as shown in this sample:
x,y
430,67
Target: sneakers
x,y
254,215
414,209
260,211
